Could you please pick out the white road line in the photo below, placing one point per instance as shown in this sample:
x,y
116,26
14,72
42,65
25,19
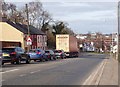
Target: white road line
x,y
34,72
22,75
10,71
93,77
100,74
89,80
3,80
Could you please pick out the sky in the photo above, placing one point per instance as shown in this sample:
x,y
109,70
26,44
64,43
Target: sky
x,y
82,16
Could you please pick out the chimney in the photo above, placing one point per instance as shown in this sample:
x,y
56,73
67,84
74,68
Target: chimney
x,y
24,22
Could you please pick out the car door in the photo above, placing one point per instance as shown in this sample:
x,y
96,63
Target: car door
x,y
52,53
21,53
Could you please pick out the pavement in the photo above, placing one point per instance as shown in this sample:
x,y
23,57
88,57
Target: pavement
x,y
105,73
110,73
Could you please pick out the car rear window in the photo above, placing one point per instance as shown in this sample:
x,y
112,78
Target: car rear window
x,y
58,51
47,52
33,50
8,50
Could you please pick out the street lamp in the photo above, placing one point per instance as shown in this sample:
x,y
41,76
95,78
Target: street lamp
x,y
118,31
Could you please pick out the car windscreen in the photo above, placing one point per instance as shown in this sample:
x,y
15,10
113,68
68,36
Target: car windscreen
x,y
8,50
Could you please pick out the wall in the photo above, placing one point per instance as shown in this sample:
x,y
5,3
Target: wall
x,y
10,34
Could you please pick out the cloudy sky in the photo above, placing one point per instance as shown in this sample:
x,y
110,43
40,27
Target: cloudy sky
x,y
82,17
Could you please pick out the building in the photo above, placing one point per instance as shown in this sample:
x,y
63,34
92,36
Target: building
x,y
15,34
101,41
10,36
39,39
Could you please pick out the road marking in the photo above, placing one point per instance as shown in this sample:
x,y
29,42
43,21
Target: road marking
x,y
22,75
10,71
100,74
34,72
3,80
89,80
96,72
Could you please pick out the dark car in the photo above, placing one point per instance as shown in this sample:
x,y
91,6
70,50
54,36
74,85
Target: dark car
x,y
37,54
50,54
14,55
60,54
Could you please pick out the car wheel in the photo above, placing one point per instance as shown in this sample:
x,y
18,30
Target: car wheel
x,y
28,60
46,59
62,57
43,60
51,58
18,61
35,60
2,63
54,58
12,62
40,60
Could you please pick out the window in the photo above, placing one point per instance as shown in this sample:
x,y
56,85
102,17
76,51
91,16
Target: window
x,y
38,39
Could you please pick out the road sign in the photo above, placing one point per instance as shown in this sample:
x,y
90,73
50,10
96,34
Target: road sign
x,y
29,41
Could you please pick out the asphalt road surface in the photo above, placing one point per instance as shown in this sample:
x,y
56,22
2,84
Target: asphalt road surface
x,y
71,71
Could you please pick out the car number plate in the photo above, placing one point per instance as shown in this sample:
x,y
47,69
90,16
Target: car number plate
x,y
4,54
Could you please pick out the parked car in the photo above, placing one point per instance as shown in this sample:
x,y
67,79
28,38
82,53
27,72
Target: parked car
x,y
37,54
14,54
60,54
50,54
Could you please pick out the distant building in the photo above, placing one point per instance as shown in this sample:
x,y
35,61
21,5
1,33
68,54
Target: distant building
x,y
100,41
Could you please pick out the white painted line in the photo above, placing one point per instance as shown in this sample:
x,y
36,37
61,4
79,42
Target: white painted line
x,y
22,75
89,80
35,71
100,74
32,72
93,77
10,71
3,80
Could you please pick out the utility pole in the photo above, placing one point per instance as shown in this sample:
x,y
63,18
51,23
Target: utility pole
x,y
118,31
28,25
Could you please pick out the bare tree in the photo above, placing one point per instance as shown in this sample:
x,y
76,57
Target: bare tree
x,y
4,8
38,17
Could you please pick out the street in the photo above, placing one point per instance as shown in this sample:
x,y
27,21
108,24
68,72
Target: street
x,y
70,71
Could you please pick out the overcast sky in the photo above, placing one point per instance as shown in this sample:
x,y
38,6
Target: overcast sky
x,y
94,16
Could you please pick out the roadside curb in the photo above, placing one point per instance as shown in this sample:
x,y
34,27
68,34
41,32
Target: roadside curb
x,y
95,76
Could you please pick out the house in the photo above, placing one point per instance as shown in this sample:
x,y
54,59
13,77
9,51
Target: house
x,y
39,39
15,34
10,36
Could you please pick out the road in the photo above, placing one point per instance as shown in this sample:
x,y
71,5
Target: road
x,y
71,71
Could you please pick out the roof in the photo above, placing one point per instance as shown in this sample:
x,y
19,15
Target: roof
x,y
23,28
33,30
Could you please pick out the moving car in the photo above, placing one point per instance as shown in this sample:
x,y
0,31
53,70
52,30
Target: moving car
x,y
14,55
50,54
37,54
60,54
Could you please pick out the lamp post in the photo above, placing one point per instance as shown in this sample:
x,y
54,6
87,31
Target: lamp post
x,y
118,31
